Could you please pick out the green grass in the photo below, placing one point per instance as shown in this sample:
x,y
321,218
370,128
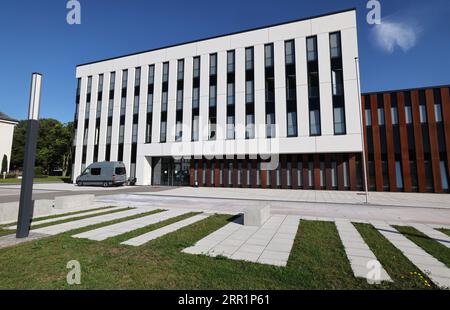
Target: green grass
x,y
317,261
50,179
402,271
445,231
433,247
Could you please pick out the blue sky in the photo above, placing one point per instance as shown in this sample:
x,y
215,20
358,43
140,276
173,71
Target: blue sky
x,y
410,49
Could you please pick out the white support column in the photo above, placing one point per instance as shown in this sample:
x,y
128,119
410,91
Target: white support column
x,y
301,72
221,95
80,128
104,118
92,120
280,89
129,120
204,97
326,98
187,100
260,93
240,93
156,123
171,104
116,116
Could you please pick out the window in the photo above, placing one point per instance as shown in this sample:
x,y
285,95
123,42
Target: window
x,y
444,177
134,134
179,99
164,102
123,106
311,174
112,80
438,112
120,171
121,133
195,98
137,77
337,82
180,72
212,95
334,174
268,61
270,125
136,105
423,114
196,69
213,64
399,176
368,118
249,58
163,132
195,126
290,52
339,121
230,127
292,124
124,79
335,45
108,135
165,77
230,93
408,114
250,127
289,174
249,92
150,103
230,61
311,47
89,85
96,171
314,120
380,116
151,74
394,115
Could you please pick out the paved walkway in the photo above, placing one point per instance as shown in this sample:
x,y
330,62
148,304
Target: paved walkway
x,y
362,260
353,212
270,244
60,228
68,217
437,271
11,240
422,200
109,231
433,234
154,234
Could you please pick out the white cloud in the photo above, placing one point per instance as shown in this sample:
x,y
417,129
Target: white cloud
x,y
389,35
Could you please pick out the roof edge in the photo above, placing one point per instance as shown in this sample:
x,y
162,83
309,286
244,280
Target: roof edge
x,y
219,36
404,89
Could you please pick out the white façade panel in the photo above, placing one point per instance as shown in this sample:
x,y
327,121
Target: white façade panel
x,y
240,93
349,43
333,22
92,121
260,98
156,122
171,108
204,97
213,45
80,127
301,65
280,89
116,116
352,108
187,101
181,51
326,98
103,118
221,95
250,38
290,31
129,119
339,144
143,95
303,111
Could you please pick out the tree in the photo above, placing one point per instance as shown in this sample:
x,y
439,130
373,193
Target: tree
x,y
53,149
5,163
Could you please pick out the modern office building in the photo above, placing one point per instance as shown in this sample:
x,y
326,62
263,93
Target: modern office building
x,y
7,125
408,139
273,107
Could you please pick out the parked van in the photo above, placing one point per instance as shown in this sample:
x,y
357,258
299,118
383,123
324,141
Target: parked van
x,y
104,173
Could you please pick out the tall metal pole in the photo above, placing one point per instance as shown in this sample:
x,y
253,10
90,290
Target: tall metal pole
x,y
362,132
26,191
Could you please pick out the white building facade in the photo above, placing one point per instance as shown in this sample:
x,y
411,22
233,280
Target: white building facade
x,y
273,107
7,125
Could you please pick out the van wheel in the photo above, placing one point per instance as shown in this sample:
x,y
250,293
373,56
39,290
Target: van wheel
x,y
105,184
79,183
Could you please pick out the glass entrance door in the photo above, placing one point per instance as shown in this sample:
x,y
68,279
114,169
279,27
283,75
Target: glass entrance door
x,y
168,171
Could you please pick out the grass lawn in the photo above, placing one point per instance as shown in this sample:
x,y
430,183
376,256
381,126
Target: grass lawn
x,y
50,179
445,231
317,261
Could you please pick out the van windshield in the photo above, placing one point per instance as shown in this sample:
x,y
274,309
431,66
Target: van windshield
x,y
120,171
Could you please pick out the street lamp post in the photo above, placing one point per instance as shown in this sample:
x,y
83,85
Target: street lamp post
x,y
26,191
362,132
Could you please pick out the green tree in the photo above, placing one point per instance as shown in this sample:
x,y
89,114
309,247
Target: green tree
x,y
53,149
4,163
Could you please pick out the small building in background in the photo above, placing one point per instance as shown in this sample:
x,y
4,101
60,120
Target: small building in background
x,y
7,125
